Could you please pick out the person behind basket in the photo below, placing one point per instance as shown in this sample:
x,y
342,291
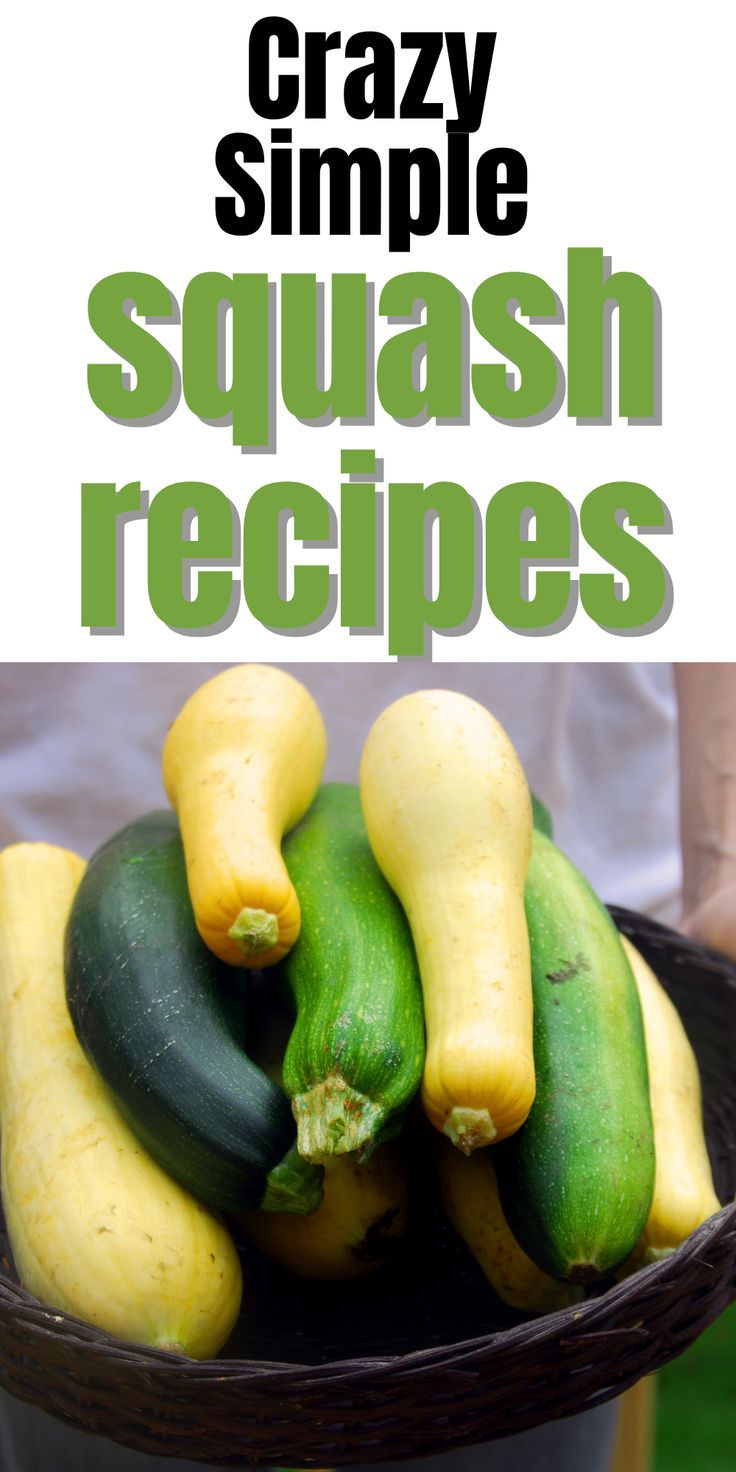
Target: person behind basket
x,y
600,746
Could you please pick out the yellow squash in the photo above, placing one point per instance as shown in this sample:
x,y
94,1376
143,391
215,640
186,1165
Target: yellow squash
x,y
96,1227
448,814
241,765
358,1226
684,1196
471,1202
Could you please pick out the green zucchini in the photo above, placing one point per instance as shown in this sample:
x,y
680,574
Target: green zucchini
x,y
162,1020
541,816
576,1181
356,1053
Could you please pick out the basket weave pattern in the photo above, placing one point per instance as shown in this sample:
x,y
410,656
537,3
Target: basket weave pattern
x,y
422,1359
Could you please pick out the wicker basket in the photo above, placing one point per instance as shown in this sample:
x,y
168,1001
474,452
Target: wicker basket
x,y
416,1359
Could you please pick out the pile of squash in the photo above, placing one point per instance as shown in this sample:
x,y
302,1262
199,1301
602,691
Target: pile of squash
x,y
432,941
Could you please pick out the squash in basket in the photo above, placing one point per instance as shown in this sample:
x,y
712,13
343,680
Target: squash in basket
x,y
576,1182
355,1056
97,1229
359,1225
684,1195
241,765
449,818
471,1202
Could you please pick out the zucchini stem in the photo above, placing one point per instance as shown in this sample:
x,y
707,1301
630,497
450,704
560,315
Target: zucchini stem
x,y
294,1185
469,1128
334,1119
583,1272
255,931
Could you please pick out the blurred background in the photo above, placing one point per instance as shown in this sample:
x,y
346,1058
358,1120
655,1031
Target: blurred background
x,y
695,1426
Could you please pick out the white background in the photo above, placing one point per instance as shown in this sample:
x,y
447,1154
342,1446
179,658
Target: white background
x,y
113,114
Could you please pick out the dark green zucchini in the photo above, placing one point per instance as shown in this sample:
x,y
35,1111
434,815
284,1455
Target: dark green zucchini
x,y
162,1020
576,1181
356,1054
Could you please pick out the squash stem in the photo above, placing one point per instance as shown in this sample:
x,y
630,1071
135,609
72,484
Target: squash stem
x,y
334,1119
642,1257
469,1128
294,1185
255,931
655,1254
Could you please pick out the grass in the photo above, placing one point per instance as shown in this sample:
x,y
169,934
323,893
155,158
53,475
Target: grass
x,y
696,1407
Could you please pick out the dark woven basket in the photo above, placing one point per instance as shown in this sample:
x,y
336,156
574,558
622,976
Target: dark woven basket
x,y
417,1359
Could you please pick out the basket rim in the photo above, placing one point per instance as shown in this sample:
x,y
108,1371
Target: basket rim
x,y
362,1367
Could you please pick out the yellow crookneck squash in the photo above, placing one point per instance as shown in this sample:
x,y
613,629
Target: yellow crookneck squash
x,y
97,1229
358,1226
241,765
472,1203
684,1196
449,818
